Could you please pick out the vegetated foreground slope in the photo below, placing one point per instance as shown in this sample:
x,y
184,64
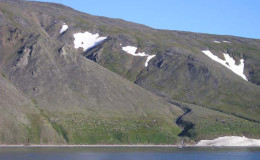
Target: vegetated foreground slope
x,y
45,52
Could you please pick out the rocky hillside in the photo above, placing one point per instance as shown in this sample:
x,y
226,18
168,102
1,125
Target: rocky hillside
x,y
140,82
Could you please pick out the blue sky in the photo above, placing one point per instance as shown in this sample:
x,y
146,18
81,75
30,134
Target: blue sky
x,y
224,17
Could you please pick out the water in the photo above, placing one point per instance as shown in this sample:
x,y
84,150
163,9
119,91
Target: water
x,y
128,153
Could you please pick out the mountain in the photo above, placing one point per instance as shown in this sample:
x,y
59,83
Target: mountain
x,y
71,78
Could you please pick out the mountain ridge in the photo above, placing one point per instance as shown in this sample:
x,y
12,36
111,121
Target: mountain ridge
x,y
83,102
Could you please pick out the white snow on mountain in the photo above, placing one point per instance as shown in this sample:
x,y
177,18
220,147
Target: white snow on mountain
x,y
87,40
229,62
230,141
132,50
148,59
217,42
64,28
226,41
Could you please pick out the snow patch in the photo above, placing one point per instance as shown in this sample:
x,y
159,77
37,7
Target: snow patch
x,y
217,42
229,62
230,141
148,59
226,41
87,40
64,28
132,50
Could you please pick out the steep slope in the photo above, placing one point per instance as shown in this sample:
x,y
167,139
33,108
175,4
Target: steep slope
x,y
83,102
180,70
20,121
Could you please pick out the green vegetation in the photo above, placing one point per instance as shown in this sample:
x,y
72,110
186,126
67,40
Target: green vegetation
x,y
3,75
60,130
208,124
82,129
34,131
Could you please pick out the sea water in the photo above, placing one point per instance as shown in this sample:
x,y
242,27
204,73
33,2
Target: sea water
x,y
128,153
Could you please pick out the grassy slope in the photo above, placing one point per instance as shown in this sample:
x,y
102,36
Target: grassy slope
x,y
93,128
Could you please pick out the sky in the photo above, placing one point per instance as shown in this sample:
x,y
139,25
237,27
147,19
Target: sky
x,y
223,17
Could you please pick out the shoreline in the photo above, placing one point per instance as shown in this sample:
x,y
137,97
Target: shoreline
x,y
116,146
101,145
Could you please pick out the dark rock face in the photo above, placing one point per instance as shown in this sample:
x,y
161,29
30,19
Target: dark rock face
x,y
74,97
